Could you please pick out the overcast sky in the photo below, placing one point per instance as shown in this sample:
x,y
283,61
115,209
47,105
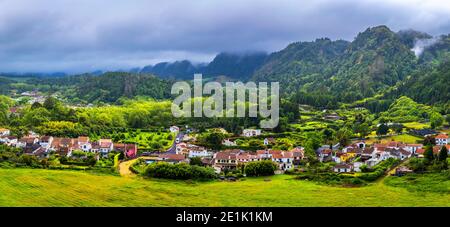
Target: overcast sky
x,y
85,35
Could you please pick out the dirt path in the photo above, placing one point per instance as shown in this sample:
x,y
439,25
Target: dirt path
x,y
124,168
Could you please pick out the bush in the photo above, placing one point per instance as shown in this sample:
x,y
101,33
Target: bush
x,y
180,171
260,168
379,170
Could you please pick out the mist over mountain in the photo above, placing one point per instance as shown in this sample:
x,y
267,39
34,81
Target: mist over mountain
x,y
232,65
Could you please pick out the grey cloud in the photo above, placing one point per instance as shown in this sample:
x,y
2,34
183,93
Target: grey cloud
x,y
77,36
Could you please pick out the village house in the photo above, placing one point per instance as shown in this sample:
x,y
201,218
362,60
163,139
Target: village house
x,y
412,147
251,132
402,170
106,146
197,151
226,159
129,150
268,141
299,155
441,139
172,158
26,141
174,129
228,143
343,168
84,144
46,141
325,154
4,132
9,140
284,159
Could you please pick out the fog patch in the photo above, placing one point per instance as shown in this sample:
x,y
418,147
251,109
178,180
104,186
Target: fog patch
x,y
421,44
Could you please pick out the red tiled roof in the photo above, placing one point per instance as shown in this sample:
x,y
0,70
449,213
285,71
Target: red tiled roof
x,y
226,155
175,157
441,136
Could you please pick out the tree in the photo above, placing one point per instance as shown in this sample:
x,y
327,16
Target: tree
x,y
343,135
382,129
362,129
260,168
50,103
196,161
429,141
436,120
36,105
443,154
328,134
398,128
428,154
214,139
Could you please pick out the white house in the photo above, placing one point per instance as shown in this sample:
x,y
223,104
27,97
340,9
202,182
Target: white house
x,y
441,139
285,160
106,145
228,143
174,129
46,141
357,166
343,168
412,147
198,152
251,132
9,140
4,132
84,143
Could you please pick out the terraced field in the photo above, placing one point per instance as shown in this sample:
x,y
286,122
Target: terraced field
x,y
37,187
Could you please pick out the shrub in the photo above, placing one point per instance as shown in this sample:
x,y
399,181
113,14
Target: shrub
x,y
180,171
260,168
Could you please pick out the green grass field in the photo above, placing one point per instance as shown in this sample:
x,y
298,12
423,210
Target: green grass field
x,y
406,138
416,125
37,187
147,140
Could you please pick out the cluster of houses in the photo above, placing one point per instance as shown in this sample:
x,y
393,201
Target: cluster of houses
x,y
42,146
232,158
352,157
348,159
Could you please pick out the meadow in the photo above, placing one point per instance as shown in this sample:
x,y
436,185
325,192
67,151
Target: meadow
x,y
406,138
37,187
150,140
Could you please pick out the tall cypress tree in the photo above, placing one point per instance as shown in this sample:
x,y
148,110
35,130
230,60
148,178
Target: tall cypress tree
x,y
443,154
428,154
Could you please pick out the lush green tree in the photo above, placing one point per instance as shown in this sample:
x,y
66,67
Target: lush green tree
x,y
429,141
428,154
36,105
214,139
328,135
436,120
362,129
343,135
443,154
36,117
417,164
382,129
260,168
398,128
196,161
